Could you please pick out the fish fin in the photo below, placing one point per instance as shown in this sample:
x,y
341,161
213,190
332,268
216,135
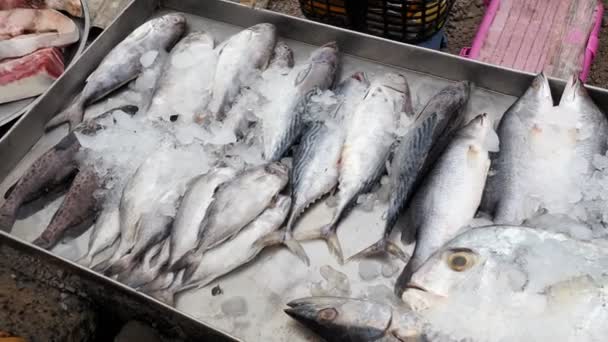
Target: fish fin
x,y
296,248
42,242
85,260
165,295
119,265
10,190
381,246
72,115
103,265
183,262
334,244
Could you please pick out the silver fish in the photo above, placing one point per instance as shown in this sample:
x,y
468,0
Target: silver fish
x,y
234,253
104,234
369,138
505,196
229,213
450,194
430,131
238,59
315,163
284,123
282,57
199,195
123,64
185,85
592,122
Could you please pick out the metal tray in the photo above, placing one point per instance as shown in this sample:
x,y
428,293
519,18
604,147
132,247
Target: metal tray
x,y
11,110
276,276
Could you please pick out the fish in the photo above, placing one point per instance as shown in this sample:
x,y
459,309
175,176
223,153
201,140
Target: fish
x,y
231,254
507,266
504,198
368,142
239,58
282,124
52,169
149,267
315,163
229,213
73,7
150,189
184,87
104,233
430,131
282,58
344,319
199,195
152,228
123,63
450,194
79,207
592,122
23,31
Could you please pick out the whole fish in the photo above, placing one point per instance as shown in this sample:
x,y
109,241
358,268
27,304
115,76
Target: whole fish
x,y
283,122
450,194
104,234
124,63
504,196
231,254
238,60
79,207
430,131
354,320
369,138
52,169
184,87
509,267
151,187
592,122
229,212
199,195
149,267
315,163
152,228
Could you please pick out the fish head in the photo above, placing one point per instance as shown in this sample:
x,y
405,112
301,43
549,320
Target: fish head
x,y
326,54
172,26
342,319
481,131
264,29
486,260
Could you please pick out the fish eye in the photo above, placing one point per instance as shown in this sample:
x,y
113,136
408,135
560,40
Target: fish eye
x,y
460,260
328,314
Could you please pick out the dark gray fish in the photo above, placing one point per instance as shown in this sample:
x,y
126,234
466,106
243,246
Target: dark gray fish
x,y
148,268
123,64
430,131
284,125
315,162
78,208
354,320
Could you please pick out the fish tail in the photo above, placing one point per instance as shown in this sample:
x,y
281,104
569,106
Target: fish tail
x,y
327,233
7,218
381,246
85,260
285,238
403,279
184,261
119,265
165,295
72,115
104,265
296,248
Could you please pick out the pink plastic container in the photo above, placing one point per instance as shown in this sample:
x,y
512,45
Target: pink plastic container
x,y
492,7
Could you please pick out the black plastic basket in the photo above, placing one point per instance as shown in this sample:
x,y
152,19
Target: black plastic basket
x,y
410,21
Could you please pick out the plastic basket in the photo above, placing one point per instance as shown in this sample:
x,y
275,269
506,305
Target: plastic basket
x,y
410,21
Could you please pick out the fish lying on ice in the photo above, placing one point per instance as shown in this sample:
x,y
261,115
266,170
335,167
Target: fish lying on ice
x,y
282,122
431,131
124,63
53,168
23,31
104,233
369,138
199,195
73,7
450,194
229,212
315,163
238,60
231,254
184,87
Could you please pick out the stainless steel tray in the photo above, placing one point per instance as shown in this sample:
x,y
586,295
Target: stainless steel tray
x,y
276,276
11,110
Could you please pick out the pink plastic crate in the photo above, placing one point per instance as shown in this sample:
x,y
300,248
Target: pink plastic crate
x,y
492,8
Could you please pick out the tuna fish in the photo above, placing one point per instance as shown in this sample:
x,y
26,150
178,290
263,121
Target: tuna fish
x,y
124,63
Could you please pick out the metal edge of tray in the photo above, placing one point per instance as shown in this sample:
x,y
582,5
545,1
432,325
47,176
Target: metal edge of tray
x,y
127,303
84,36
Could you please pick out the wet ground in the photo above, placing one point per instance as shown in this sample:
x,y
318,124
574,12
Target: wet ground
x,y
462,26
